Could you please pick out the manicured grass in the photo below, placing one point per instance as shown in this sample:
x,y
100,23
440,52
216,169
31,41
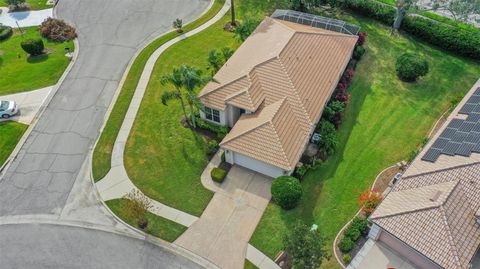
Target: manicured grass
x,y
157,226
164,159
385,120
10,134
34,4
21,73
102,155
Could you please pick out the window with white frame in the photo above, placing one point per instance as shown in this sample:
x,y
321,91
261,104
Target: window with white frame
x,y
212,114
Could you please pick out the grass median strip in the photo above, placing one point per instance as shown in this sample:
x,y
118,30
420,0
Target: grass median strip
x,y
385,121
21,73
157,226
103,150
10,134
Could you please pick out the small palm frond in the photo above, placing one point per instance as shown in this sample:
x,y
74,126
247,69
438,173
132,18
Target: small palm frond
x,y
169,95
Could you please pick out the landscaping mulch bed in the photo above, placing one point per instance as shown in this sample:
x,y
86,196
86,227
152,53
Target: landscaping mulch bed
x,y
385,178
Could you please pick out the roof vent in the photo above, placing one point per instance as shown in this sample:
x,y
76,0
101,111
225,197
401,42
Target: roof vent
x,y
436,196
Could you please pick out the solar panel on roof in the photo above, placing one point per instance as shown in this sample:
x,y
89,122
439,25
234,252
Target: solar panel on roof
x,y
473,137
440,143
477,91
473,117
455,123
474,99
476,128
451,148
431,155
459,136
476,109
467,108
465,149
466,126
448,133
476,148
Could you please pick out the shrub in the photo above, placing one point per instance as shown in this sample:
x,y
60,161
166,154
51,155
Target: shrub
x,y
352,232
57,30
454,39
218,174
5,32
245,29
369,200
328,137
373,9
178,25
362,36
137,207
212,147
222,157
33,47
347,258
361,224
286,191
220,130
411,66
345,245
358,53
331,111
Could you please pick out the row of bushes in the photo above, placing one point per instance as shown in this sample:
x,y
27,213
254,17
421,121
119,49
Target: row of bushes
x,y
357,228
454,39
220,130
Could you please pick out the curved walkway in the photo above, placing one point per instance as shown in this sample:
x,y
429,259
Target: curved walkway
x,y
24,18
116,184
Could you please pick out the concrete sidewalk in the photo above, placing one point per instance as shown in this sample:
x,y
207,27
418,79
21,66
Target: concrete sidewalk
x,y
222,233
29,104
24,18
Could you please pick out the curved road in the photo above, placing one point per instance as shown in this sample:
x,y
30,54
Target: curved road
x,y
48,179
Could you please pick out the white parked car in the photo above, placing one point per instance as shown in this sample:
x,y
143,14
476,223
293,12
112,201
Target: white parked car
x,y
8,109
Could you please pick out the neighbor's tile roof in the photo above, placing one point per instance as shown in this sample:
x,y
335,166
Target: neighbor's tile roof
x,y
433,207
291,67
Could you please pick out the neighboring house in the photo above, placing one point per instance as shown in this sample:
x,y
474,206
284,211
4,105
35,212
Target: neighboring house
x,y
272,91
432,215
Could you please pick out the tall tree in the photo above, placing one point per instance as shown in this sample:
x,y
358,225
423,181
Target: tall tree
x,y
175,78
232,7
192,79
461,10
215,61
402,8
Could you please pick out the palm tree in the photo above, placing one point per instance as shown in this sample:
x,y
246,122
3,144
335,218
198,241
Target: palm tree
x,y
176,79
232,4
193,78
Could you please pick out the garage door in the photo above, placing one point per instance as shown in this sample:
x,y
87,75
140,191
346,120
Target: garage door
x,y
256,165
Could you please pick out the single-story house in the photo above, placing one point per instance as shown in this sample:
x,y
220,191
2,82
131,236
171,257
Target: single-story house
x,y
432,215
272,91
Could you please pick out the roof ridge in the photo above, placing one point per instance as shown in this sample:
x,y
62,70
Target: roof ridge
x,y
442,170
284,102
200,95
228,139
297,94
453,249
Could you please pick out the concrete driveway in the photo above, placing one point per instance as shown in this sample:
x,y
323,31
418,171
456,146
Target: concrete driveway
x,y
29,104
375,255
222,233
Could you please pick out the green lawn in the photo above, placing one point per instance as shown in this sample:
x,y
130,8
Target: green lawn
x,y
10,134
164,159
157,226
385,120
249,265
20,73
34,4
102,154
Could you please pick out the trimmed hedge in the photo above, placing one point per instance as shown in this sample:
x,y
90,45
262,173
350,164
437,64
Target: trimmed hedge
x,y
5,32
286,191
460,41
220,130
361,224
411,66
352,232
32,46
457,40
218,174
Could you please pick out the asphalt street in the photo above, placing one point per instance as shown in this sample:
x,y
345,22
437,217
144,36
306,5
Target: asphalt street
x,y
49,178
110,32
27,246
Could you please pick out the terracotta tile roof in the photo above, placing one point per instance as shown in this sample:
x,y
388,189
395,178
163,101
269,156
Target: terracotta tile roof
x,y
282,61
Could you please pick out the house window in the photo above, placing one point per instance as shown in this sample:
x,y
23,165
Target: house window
x,y
212,114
